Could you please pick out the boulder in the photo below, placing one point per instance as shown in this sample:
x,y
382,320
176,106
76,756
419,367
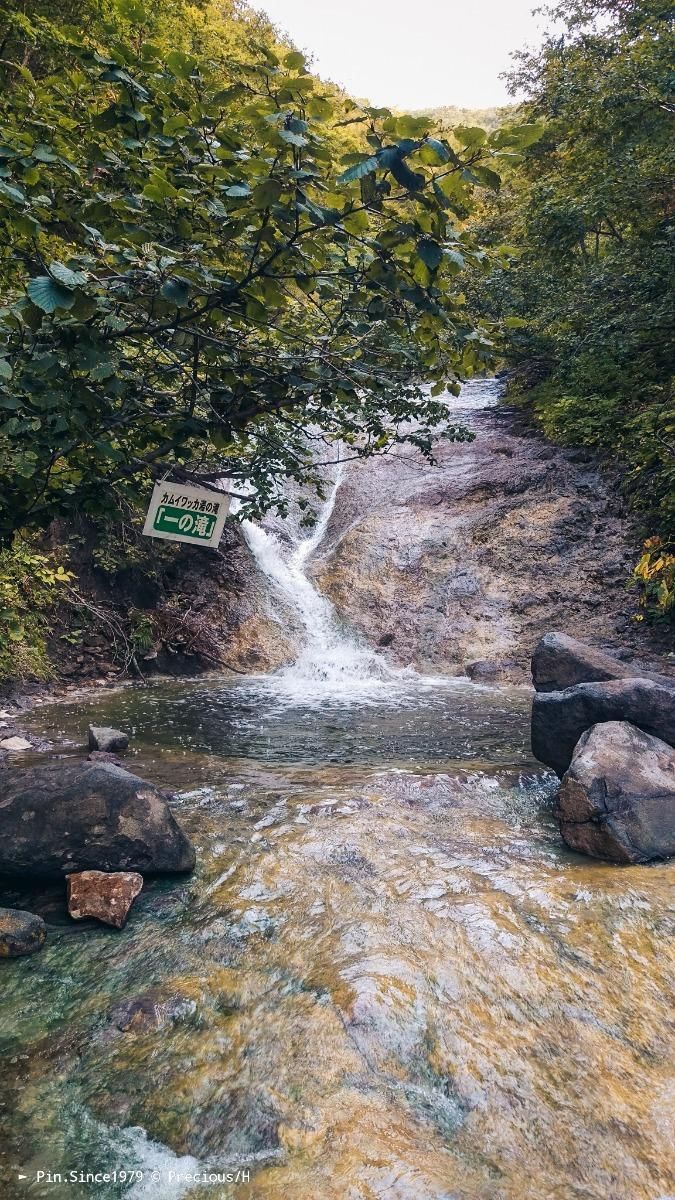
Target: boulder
x,y
15,744
20,933
487,670
560,718
560,661
105,895
83,816
101,737
617,800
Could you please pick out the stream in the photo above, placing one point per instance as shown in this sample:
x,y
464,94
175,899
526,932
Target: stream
x,y
387,978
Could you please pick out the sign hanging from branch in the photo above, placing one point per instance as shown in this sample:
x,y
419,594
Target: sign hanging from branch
x,y
179,512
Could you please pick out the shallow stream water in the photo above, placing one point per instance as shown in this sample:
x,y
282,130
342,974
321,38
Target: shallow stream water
x,y
386,980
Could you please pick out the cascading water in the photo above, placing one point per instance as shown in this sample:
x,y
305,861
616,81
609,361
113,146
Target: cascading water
x,y
332,660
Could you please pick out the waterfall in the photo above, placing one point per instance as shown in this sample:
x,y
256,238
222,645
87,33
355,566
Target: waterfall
x,y
332,659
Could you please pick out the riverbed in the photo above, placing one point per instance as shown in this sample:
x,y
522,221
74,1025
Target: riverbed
x,y
387,977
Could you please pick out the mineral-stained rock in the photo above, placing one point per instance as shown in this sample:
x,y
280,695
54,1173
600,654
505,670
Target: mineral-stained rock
x,y
617,800
560,718
101,737
60,818
106,896
20,933
560,661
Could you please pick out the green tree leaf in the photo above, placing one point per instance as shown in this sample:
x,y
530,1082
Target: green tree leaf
x,y
49,295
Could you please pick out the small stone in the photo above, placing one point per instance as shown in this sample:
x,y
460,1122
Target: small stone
x,y
104,756
15,743
20,933
101,737
106,896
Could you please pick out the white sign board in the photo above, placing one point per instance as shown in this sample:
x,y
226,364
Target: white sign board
x,y
179,512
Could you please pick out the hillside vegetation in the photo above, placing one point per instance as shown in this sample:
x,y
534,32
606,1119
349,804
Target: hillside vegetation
x,y
212,265
587,212
448,115
215,264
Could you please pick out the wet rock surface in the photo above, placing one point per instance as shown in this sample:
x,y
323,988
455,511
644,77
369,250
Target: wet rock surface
x,y
617,799
104,896
20,933
560,718
62,817
560,661
107,740
473,560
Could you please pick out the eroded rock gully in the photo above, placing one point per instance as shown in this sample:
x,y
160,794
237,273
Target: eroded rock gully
x,y
454,568
473,560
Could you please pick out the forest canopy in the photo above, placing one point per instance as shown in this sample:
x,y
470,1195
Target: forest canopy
x,y
211,260
215,264
587,302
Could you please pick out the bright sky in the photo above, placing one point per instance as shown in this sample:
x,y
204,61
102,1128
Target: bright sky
x,y
411,53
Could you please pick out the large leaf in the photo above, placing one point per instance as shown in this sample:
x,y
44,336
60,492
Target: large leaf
x,y
442,152
365,167
267,193
470,136
177,291
411,180
430,252
69,278
49,295
181,64
12,193
295,60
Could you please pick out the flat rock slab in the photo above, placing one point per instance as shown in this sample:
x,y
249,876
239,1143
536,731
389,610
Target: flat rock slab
x,y
617,800
560,718
15,744
104,895
102,737
20,933
67,817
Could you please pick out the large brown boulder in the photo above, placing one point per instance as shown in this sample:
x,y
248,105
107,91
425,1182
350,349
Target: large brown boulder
x,y
560,718
560,661
617,800
60,818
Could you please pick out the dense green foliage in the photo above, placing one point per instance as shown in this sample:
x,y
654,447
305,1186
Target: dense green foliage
x,y
588,212
211,265
31,587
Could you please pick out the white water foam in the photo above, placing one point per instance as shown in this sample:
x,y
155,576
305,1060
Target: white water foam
x,y
333,661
